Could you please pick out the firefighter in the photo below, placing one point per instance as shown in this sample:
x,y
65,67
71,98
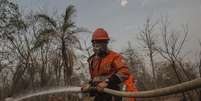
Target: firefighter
x,y
107,69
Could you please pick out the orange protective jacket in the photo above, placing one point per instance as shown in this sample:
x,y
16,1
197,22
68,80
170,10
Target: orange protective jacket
x,y
112,63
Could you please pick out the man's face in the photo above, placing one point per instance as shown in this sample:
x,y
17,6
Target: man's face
x,y
100,47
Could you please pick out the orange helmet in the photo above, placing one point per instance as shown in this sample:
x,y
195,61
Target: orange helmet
x,y
100,34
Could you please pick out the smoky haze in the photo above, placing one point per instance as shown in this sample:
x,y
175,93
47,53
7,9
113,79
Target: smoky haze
x,y
123,19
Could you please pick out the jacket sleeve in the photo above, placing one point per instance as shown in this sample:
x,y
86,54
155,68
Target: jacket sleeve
x,y
121,73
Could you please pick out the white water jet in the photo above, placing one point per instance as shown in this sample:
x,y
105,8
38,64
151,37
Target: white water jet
x,y
50,91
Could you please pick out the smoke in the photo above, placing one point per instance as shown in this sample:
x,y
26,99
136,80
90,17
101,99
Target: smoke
x,y
144,2
124,3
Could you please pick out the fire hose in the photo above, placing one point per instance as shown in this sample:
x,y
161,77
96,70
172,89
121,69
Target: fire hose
x,y
179,88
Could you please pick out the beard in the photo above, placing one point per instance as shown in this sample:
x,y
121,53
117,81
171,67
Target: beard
x,y
100,51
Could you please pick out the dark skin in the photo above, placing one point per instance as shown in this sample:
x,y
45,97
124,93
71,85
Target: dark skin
x,y
100,47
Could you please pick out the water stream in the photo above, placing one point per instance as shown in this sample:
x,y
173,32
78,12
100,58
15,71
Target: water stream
x,y
45,92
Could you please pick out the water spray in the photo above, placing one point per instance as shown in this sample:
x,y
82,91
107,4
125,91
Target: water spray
x,y
45,92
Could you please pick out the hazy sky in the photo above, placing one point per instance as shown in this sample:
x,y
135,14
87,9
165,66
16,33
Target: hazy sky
x,y
123,20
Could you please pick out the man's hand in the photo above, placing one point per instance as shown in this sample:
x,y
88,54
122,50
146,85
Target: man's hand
x,y
101,86
85,87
